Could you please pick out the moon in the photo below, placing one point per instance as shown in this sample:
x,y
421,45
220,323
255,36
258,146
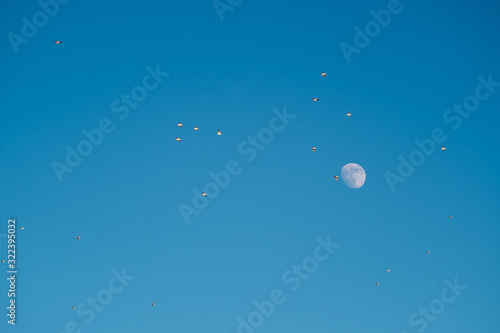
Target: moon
x,y
353,175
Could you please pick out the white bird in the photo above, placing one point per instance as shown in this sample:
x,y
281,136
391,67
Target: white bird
x,y
179,124
323,74
178,139
219,132
195,128
58,42
315,99
313,149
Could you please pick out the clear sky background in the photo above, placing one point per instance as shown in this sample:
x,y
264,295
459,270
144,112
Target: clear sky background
x,y
123,199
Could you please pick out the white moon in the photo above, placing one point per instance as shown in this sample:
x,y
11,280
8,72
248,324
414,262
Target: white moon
x,y
353,175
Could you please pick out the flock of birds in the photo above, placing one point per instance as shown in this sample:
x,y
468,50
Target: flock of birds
x,y
195,128
315,99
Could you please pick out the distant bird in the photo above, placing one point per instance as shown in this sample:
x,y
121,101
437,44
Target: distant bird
x,y
204,194
377,284
78,237
323,74
58,42
450,217
427,252
153,303
2,261
22,228
74,307
219,132
388,270
313,149
178,139
179,124
195,128
348,114
315,99
336,178
443,148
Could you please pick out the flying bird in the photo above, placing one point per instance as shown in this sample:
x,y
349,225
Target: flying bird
x,y
348,114
315,99
336,178
313,149
22,228
323,74
178,139
204,194
427,252
78,237
179,124
219,132
377,284
388,270
74,307
58,42
153,303
443,148
450,217
2,261
195,128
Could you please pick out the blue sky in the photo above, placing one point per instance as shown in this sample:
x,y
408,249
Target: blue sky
x,y
123,198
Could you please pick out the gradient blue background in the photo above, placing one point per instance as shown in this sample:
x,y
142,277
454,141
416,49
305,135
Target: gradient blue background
x,y
123,199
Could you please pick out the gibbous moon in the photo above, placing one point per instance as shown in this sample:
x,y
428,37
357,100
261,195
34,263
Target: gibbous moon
x,y
353,175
